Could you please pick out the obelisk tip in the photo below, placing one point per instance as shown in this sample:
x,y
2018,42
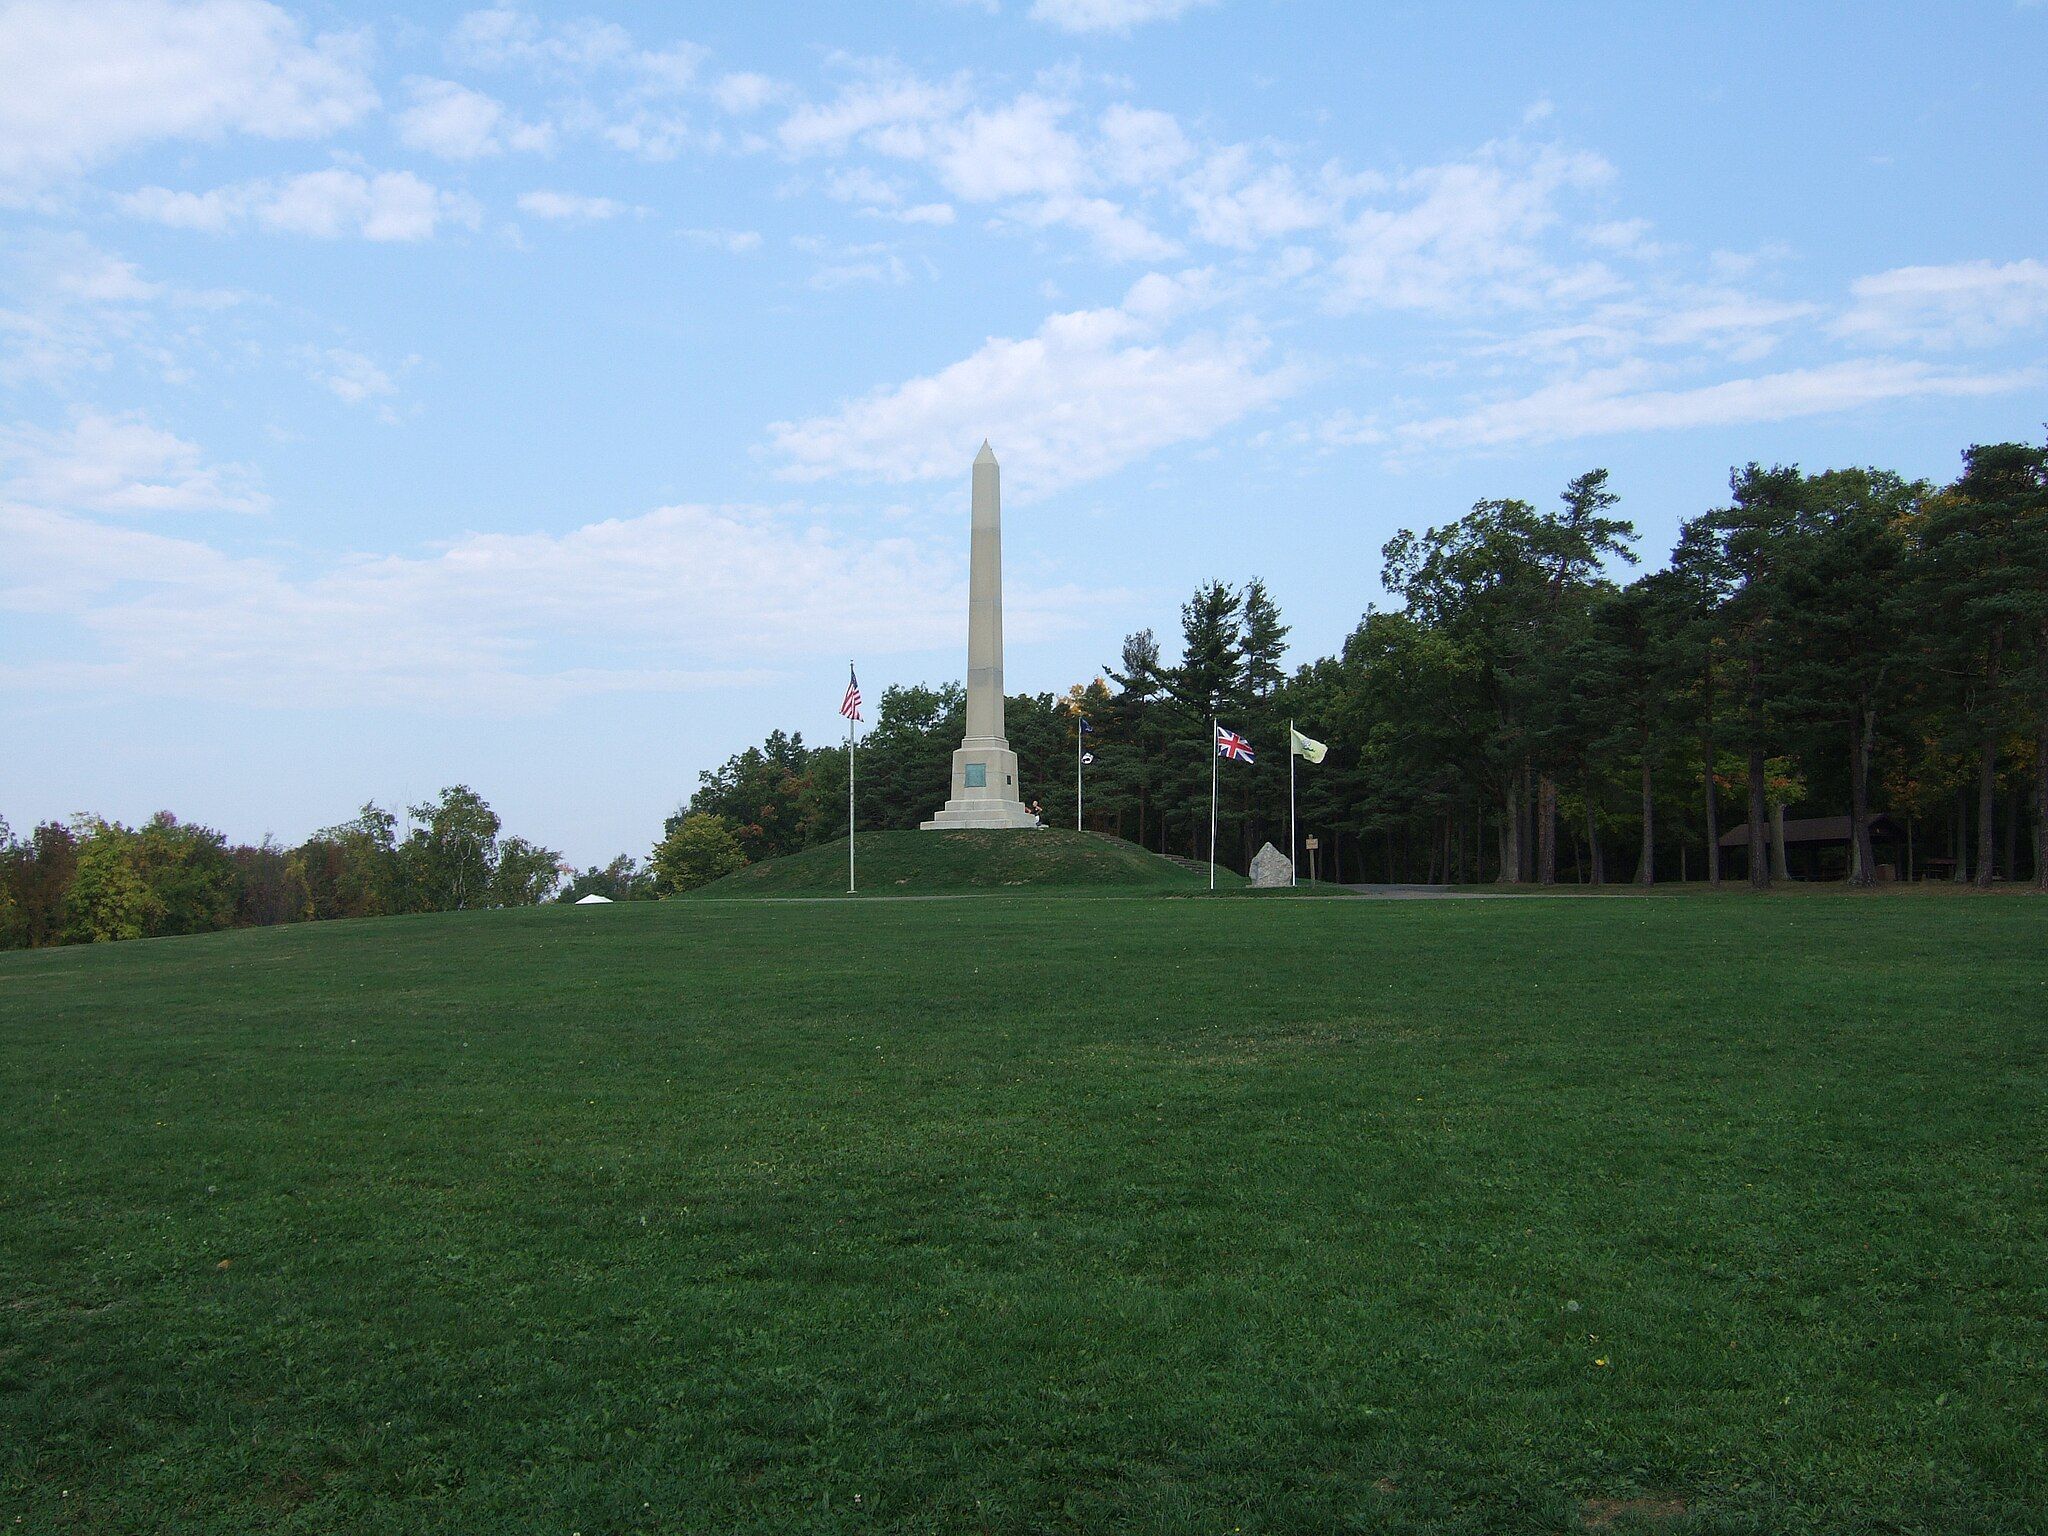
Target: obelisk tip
x,y
987,454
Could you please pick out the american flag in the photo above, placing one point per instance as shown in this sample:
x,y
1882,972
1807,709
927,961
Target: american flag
x,y
850,705
1233,746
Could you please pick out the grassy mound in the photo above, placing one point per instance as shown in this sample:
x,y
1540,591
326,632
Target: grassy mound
x,y
950,863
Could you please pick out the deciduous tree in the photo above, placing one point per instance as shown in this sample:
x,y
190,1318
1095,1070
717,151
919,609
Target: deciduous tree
x,y
697,849
449,858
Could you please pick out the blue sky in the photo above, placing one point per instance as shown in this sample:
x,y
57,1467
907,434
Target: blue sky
x,y
553,397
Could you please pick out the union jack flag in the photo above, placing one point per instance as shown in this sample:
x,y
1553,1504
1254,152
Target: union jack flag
x,y
850,705
1233,746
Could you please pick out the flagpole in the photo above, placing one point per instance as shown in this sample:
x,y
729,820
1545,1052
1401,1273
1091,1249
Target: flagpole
x,y
1079,737
1212,802
1293,841
849,794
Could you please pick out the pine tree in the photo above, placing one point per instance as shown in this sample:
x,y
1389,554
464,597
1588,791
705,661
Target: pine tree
x,y
1846,622
1984,560
1739,555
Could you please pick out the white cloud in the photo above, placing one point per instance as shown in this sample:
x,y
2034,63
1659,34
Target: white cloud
x,y
655,134
384,206
1236,205
213,212
71,306
1092,391
92,276
457,123
80,83
626,95
570,207
668,69
1019,150
1469,233
497,36
1740,324
1624,237
450,120
1498,228
744,92
1141,146
1339,429
861,184
1117,234
120,464
505,35
1157,298
353,378
1968,303
1720,320
1109,15
1112,179
1624,398
734,242
681,598
1020,154
879,197
392,205
847,266
893,106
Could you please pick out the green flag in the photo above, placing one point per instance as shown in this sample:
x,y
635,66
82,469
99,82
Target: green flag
x,y
1305,747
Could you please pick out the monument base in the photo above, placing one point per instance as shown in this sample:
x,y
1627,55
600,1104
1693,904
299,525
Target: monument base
x,y
984,791
981,815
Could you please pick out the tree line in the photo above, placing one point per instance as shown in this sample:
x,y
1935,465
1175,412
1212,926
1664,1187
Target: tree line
x,y
90,880
1848,643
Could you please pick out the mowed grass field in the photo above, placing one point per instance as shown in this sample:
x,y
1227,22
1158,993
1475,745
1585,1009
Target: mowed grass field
x,y
1032,1213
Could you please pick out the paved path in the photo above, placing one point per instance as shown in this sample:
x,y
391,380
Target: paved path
x,y
1405,892
1321,891
1455,893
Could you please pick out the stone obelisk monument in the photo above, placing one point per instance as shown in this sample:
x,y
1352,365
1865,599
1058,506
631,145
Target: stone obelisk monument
x,y
984,769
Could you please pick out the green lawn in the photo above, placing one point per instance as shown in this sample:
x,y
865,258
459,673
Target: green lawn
x,y
1024,1214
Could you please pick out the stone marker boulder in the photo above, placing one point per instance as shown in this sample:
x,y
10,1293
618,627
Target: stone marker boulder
x,y
1270,868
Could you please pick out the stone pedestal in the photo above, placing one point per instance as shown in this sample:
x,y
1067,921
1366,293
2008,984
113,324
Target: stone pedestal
x,y
984,791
